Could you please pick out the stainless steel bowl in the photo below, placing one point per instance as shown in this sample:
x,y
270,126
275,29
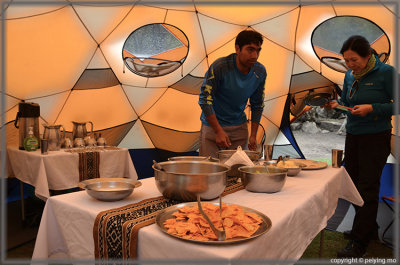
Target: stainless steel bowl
x,y
224,155
184,180
263,179
193,158
109,189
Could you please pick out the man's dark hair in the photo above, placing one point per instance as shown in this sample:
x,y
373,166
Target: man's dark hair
x,y
248,37
358,44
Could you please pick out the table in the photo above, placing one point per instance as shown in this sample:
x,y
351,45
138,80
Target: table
x,y
58,170
298,213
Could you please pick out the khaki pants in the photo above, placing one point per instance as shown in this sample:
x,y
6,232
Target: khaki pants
x,y
238,134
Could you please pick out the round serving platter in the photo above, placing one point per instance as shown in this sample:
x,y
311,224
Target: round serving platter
x,y
309,164
167,214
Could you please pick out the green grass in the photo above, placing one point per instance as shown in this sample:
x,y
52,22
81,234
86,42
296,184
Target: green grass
x,y
333,241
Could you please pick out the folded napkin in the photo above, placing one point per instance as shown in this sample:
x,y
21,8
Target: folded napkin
x,y
239,157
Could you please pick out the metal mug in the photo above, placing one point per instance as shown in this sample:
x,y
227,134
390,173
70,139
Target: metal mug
x,y
68,143
44,144
268,150
79,142
337,156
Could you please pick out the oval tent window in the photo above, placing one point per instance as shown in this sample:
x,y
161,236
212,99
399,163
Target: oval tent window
x,y
328,37
155,50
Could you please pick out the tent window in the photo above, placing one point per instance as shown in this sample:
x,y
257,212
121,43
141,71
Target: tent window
x,y
155,50
328,37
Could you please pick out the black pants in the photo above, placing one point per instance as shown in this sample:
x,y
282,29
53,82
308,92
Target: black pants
x,y
365,157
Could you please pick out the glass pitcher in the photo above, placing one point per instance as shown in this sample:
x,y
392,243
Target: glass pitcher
x,y
53,134
79,129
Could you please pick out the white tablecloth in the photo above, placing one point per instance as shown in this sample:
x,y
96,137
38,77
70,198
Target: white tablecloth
x,y
58,170
298,213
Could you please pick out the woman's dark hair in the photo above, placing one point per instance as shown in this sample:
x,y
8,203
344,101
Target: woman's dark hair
x,y
247,37
358,44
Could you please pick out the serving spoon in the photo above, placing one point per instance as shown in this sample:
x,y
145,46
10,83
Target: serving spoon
x,y
221,235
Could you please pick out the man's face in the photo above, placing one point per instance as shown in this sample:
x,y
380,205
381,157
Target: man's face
x,y
247,56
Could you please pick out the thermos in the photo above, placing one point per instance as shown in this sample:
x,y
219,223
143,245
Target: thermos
x,y
27,116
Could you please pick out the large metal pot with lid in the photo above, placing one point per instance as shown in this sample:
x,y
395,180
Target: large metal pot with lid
x,y
184,180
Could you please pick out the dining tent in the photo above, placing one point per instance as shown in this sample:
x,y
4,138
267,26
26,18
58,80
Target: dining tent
x,y
74,59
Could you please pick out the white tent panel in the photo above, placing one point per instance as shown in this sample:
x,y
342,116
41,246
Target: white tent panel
x,y
332,75
188,23
136,138
300,66
200,69
46,54
10,102
310,17
281,139
113,44
51,106
101,20
141,98
216,33
175,4
278,62
222,51
281,29
378,14
21,8
243,13
106,108
274,108
271,131
98,61
175,110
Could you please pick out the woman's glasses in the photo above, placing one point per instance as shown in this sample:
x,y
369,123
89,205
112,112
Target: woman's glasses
x,y
354,88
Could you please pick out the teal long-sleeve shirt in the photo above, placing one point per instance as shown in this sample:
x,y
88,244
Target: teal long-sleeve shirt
x,y
375,88
225,92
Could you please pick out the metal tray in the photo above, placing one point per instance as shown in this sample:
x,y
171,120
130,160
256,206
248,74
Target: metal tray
x,y
167,214
310,164
109,189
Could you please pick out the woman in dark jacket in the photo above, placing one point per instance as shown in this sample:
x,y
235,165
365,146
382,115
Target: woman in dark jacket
x,y
368,92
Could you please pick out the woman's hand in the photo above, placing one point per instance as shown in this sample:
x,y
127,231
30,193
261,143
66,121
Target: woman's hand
x,y
330,105
361,110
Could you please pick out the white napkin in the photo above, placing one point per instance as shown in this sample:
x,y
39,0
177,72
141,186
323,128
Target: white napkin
x,y
239,157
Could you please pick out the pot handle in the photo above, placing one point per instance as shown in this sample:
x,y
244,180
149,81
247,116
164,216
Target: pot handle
x,y
91,127
63,135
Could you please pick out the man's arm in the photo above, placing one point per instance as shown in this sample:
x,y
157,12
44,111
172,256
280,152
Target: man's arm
x,y
253,134
221,138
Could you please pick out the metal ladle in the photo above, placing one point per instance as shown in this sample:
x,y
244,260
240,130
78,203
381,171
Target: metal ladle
x,y
221,235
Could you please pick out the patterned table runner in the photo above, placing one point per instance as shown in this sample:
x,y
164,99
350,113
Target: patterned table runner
x,y
89,163
115,231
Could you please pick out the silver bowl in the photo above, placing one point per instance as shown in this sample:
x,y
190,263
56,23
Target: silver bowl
x,y
292,171
193,158
109,189
224,155
263,179
184,180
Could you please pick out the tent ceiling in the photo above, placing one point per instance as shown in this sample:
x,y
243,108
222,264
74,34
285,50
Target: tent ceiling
x,y
51,49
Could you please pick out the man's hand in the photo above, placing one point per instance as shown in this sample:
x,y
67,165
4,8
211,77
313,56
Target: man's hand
x,y
362,110
222,140
252,143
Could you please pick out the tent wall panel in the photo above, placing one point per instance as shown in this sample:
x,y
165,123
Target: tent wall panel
x,y
141,98
20,9
51,106
273,109
98,61
271,130
189,84
106,108
136,138
49,56
101,20
175,110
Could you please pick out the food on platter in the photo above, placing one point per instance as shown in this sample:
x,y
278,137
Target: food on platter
x,y
287,164
309,164
190,224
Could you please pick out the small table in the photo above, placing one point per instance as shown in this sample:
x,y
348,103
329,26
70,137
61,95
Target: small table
x,y
298,213
58,170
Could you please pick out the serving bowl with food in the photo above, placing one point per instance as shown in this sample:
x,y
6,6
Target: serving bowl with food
x,y
267,179
292,167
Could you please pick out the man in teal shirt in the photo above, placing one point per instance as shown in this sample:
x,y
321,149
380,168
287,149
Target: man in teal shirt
x,y
228,85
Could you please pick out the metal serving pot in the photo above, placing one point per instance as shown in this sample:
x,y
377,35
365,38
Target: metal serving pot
x,y
193,158
184,180
263,179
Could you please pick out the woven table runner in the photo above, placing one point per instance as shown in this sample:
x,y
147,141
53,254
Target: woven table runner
x,y
115,231
89,163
